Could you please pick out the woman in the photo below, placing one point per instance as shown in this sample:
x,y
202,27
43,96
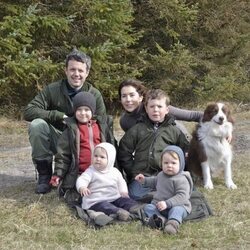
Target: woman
x,y
132,92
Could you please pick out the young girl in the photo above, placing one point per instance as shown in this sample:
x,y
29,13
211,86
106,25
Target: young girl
x,y
173,186
102,186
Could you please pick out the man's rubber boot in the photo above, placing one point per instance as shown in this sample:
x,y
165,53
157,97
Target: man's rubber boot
x,y
44,169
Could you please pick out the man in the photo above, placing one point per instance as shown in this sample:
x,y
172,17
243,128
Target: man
x,y
50,107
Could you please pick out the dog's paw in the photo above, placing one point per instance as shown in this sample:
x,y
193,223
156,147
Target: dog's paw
x,y
231,185
209,186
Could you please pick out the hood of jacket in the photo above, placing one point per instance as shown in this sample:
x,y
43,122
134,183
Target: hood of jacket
x,y
111,153
179,152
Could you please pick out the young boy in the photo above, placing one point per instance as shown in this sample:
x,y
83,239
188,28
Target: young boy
x,y
102,186
76,145
141,146
173,190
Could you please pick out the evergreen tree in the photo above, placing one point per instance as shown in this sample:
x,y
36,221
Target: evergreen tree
x,y
197,50
49,30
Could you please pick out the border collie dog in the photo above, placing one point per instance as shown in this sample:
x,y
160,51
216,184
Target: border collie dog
x,y
210,149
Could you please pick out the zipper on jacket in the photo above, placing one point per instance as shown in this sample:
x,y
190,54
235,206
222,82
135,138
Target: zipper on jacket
x,y
91,137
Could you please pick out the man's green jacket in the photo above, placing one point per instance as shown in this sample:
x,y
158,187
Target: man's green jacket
x,y
53,102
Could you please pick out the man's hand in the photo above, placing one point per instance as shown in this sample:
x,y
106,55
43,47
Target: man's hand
x,y
64,117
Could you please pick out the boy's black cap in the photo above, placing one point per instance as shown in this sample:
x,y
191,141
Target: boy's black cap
x,y
84,99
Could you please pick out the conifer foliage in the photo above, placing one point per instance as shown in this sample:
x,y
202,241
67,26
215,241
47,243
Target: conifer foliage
x,y
196,50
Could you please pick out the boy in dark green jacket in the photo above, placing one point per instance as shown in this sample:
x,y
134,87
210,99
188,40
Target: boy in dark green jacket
x,y
76,145
141,147
49,109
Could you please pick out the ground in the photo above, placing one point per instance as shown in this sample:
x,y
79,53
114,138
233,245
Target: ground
x,y
15,152
31,221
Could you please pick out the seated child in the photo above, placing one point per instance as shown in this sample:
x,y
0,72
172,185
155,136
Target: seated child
x,y
171,200
76,144
102,186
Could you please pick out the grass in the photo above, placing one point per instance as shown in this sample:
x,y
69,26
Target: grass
x,y
30,221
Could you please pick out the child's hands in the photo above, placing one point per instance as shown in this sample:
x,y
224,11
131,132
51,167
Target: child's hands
x,y
84,191
140,178
161,205
54,181
124,194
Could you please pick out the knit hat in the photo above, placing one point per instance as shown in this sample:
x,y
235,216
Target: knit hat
x,y
84,99
179,152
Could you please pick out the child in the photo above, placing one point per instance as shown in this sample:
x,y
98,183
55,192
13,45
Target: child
x,y
76,145
141,146
103,187
173,189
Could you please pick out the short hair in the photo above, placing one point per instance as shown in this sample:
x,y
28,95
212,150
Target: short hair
x,y
79,57
172,153
156,94
138,85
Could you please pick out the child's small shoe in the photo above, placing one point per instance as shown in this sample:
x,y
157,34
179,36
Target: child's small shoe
x,y
171,227
103,219
155,222
123,215
99,218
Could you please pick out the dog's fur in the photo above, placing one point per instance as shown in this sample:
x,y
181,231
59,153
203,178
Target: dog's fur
x,y
210,149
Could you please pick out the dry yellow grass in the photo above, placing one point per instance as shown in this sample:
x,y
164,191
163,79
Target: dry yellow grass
x,y
30,221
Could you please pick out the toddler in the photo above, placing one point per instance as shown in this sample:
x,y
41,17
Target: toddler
x,y
173,186
102,186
